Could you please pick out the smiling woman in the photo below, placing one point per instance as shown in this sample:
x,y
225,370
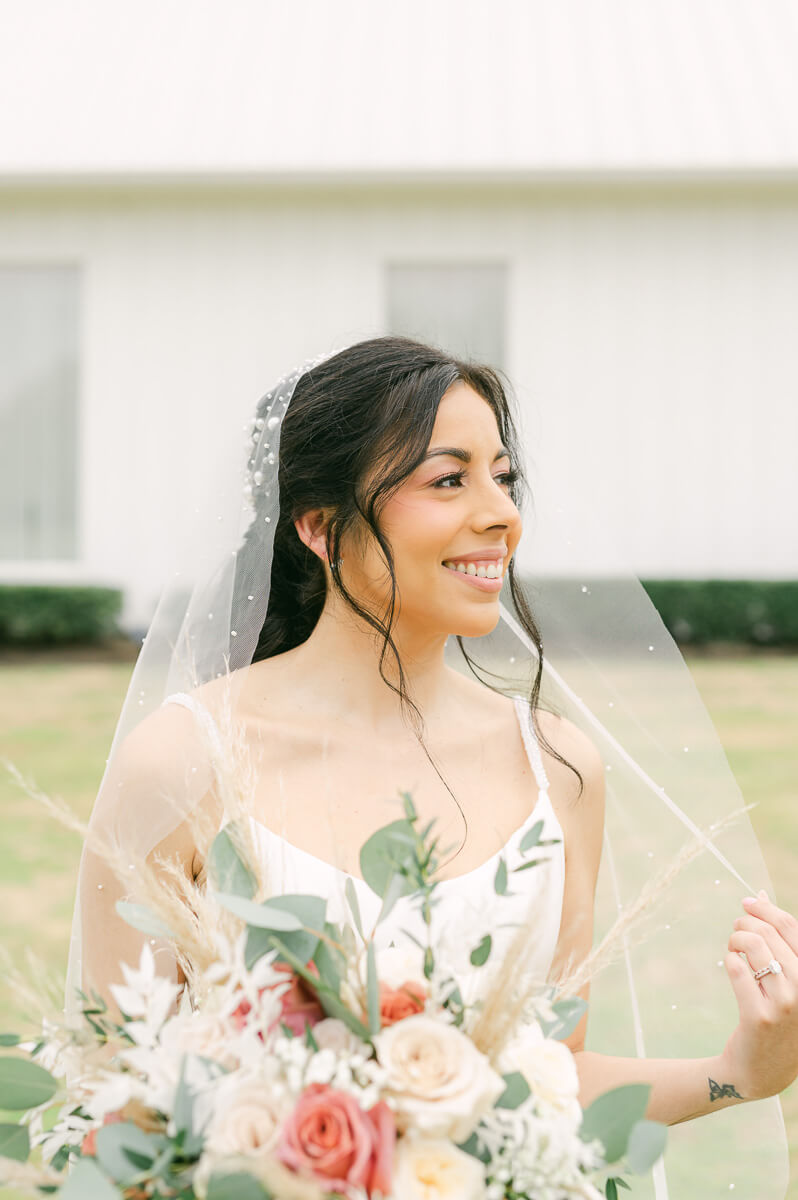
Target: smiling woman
x,y
370,634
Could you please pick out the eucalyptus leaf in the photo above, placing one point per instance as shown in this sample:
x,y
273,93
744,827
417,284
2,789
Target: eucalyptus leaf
x,y
24,1084
124,1150
389,851
481,953
329,960
14,1142
87,1182
350,891
531,837
261,916
9,1039
646,1144
471,1146
569,1013
301,945
533,862
141,918
189,1140
395,889
228,868
612,1116
611,1190
516,1090
500,881
409,806
239,1186
372,990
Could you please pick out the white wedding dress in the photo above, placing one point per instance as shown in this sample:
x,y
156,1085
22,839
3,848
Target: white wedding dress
x,y
469,906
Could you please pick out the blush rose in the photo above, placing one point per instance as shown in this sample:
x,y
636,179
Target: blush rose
x,y
332,1138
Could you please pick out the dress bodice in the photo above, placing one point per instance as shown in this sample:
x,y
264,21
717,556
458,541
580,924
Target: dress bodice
x,y
469,906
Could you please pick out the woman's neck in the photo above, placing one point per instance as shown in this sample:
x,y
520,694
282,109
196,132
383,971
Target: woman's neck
x,y
340,664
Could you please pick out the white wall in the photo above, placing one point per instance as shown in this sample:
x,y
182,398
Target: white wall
x,y
650,341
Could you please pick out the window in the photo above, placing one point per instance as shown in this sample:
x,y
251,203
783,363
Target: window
x,y
38,411
459,307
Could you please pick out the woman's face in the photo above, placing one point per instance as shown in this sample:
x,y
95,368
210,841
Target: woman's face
x,y
452,528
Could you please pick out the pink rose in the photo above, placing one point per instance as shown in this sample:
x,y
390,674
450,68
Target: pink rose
x,y
401,1002
332,1138
299,1003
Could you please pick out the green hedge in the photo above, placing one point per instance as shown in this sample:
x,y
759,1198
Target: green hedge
x,y
755,612
41,615
695,612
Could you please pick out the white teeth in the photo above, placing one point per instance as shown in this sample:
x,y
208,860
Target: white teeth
x,y
483,570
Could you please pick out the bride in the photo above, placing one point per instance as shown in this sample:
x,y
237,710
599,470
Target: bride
x,y
382,526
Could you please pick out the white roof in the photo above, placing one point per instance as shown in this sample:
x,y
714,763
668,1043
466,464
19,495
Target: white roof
x,y
309,88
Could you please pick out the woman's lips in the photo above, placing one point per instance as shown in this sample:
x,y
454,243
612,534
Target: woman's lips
x,y
483,585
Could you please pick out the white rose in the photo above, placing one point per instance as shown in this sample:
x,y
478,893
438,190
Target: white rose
x,y
434,1169
547,1065
248,1123
200,1033
440,1082
333,1034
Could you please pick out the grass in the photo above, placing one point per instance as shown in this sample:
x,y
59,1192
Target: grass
x,y
57,720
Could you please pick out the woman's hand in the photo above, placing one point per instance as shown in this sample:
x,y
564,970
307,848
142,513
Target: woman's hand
x,y
761,1056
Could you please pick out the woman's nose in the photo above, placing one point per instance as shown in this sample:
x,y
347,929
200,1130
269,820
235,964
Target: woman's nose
x,y
495,507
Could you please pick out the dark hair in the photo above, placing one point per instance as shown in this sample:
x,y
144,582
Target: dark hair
x,y
357,426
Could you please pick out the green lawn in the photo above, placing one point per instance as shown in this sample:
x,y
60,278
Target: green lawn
x,y
57,720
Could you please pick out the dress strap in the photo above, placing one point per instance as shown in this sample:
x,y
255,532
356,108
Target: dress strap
x,y
531,742
206,721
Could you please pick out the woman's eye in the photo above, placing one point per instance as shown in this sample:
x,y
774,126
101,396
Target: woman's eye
x,y
507,477
455,478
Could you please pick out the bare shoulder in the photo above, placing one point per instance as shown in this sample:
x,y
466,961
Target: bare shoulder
x,y
162,771
568,740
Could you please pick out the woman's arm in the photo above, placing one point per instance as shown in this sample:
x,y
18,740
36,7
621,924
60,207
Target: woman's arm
x,y
160,767
760,1058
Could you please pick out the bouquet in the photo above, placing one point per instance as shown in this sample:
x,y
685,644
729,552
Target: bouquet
x,y
310,1063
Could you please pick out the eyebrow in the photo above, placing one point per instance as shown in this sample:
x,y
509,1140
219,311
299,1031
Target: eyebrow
x,y
464,455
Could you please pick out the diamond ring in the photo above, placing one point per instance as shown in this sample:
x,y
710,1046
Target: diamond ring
x,y
773,968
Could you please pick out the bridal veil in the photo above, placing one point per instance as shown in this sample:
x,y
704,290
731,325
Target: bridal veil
x,y
609,665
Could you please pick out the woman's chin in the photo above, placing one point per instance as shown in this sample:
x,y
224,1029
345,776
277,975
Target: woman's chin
x,y
477,624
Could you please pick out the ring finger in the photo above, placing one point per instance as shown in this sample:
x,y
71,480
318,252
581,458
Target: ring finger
x,y
759,954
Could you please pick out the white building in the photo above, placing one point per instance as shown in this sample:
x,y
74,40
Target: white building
x,y
599,196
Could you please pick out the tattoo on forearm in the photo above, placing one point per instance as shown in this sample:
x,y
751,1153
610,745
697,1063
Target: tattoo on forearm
x,y
717,1091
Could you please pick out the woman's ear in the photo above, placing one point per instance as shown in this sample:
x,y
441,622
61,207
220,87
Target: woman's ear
x,y
312,529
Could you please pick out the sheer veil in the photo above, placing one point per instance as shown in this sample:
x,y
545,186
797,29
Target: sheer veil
x,y
609,666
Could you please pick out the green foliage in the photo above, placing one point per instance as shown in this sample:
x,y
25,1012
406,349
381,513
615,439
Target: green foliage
x,y
612,1117
480,954
14,1142
568,1015
701,611
516,1090
236,1187
228,868
266,915
389,852
296,945
127,1153
372,990
143,919
500,880
24,1084
37,615
646,1144
87,1182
